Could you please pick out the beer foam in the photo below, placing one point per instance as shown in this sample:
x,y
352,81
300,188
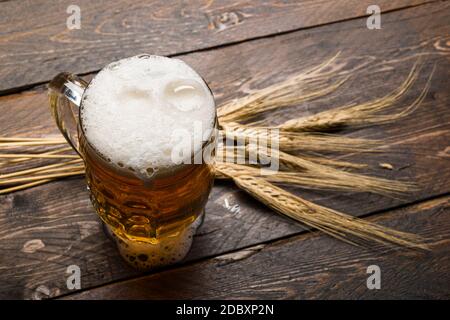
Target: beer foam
x,y
133,108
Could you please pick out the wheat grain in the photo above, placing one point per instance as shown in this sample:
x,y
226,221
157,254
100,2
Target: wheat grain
x,y
334,223
361,114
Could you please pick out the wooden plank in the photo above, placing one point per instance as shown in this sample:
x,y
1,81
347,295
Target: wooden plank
x,y
310,266
60,215
35,43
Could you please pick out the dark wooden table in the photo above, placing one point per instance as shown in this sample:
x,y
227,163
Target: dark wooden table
x,y
237,46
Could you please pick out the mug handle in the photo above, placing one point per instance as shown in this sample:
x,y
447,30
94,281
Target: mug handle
x,y
65,92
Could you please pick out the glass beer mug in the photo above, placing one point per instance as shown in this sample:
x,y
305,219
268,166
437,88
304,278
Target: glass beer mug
x,y
125,124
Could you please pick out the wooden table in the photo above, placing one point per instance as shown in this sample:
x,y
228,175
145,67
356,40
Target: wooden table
x,y
238,46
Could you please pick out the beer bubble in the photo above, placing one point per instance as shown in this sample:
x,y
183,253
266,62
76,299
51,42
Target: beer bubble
x,y
142,257
113,66
150,171
185,94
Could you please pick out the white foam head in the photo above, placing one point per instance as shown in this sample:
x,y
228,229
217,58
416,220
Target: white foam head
x,y
132,107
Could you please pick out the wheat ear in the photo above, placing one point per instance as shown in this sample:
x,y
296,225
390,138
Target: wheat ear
x,y
361,114
302,87
334,223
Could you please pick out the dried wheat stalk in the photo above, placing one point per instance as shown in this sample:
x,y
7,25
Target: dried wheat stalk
x,y
322,178
299,141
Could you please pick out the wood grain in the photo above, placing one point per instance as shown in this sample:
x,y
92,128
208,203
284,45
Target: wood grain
x,y
310,266
35,43
60,215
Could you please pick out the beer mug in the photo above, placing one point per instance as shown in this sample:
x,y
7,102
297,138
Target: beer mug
x,y
134,125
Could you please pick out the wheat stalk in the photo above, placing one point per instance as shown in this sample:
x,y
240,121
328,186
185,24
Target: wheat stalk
x,y
321,159
299,141
41,169
26,139
26,158
24,186
45,156
323,179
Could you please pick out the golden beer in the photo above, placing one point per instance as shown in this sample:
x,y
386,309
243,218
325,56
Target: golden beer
x,y
143,215
151,206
